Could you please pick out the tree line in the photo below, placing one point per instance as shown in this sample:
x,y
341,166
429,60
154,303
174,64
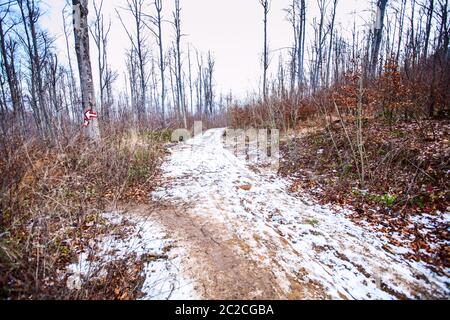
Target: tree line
x,y
169,84
164,86
410,37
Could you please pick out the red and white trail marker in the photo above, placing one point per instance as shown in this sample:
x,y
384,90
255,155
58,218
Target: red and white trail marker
x,y
89,115
85,123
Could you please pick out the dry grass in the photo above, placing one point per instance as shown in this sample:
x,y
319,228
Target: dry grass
x,y
407,166
51,198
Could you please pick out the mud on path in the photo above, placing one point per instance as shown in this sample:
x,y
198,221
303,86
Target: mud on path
x,y
216,259
245,237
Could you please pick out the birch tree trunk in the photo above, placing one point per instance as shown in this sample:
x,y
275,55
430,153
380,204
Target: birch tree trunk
x,y
81,33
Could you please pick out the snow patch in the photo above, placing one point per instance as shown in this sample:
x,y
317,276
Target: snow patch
x,y
288,234
163,277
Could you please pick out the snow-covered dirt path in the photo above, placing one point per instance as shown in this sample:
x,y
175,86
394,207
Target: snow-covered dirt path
x,y
245,236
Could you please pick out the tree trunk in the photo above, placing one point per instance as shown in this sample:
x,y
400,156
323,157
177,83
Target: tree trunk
x,y
72,86
266,7
301,43
333,16
10,72
179,76
428,28
377,35
159,8
81,33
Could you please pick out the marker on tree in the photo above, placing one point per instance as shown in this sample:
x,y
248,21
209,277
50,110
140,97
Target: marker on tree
x,y
81,33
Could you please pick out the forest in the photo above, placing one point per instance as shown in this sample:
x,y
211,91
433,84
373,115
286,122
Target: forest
x,y
89,163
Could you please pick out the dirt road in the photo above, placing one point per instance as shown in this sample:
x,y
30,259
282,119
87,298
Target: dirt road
x,y
245,236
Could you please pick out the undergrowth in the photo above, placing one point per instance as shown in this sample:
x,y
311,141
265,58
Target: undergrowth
x,y
51,199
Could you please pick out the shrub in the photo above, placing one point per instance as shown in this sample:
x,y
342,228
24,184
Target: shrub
x,y
51,197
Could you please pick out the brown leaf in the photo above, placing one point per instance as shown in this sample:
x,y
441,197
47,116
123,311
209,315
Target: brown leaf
x,y
245,187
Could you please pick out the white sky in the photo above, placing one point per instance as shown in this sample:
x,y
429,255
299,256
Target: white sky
x,y
231,29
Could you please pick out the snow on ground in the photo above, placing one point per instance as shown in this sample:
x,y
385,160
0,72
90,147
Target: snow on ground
x,y
292,236
142,236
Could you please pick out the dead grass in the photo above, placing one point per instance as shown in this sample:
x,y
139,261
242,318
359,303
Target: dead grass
x,y
407,166
51,200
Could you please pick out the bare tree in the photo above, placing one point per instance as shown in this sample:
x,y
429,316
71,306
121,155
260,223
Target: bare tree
x,y
377,35
297,18
400,33
138,40
53,76
320,37
179,77
199,82
266,7
72,83
191,88
441,55
444,27
133,77
157,24
411,51
281,78
173,83
37,48
81,33
331,28
292,18
7,63
100,34
430,12
208,84
301,34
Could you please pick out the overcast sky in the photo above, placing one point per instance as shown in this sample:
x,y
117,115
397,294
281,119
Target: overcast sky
x,y
231,29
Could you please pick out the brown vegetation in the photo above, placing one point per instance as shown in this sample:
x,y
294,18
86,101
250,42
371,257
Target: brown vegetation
x,y
51,198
